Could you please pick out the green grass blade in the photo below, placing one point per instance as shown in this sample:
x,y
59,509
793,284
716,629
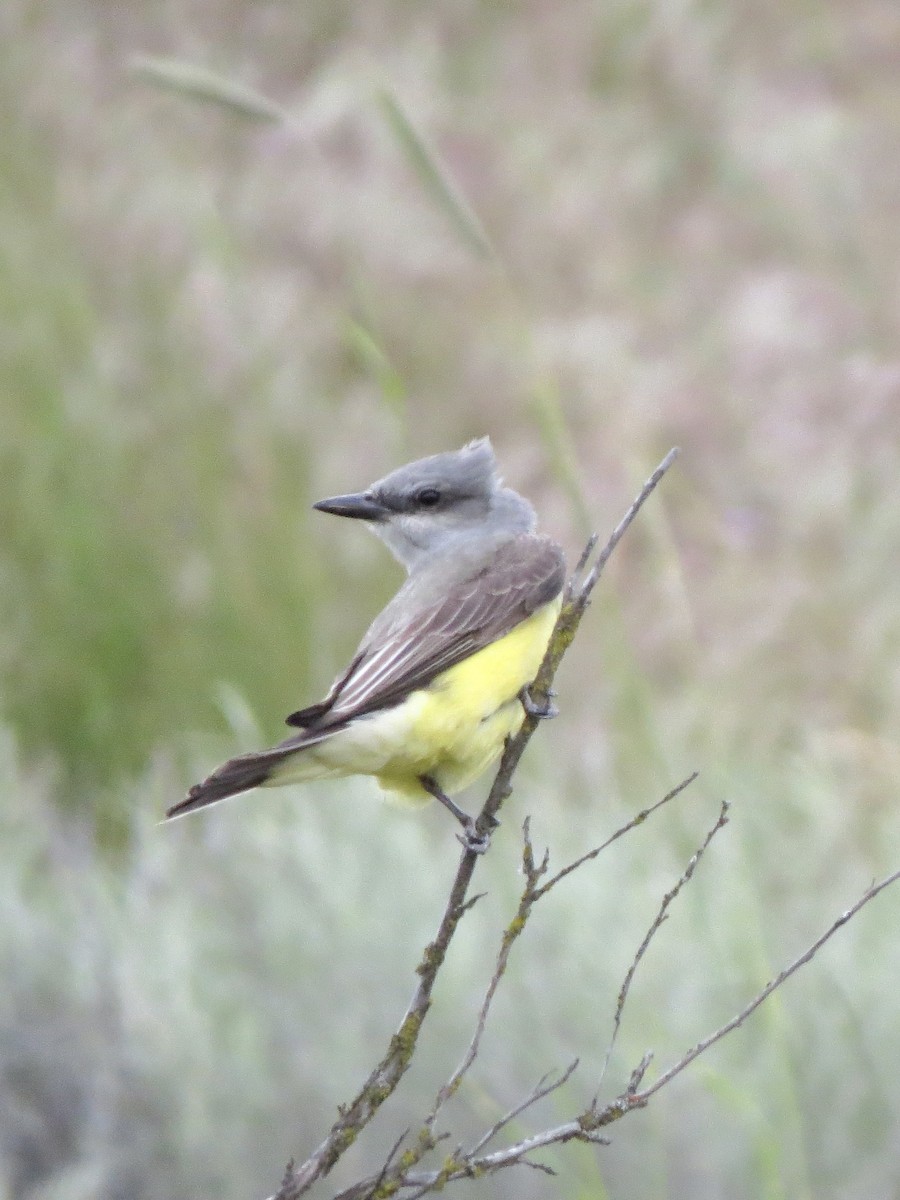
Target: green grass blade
x,y
199,83
434,177
546,406
374,360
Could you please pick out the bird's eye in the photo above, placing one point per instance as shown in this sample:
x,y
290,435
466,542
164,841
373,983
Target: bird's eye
x,y
428,497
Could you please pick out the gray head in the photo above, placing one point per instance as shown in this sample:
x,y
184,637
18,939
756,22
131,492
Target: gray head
x,y
438,504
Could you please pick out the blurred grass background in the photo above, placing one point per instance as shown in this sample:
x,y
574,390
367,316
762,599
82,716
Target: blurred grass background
x,y
208,322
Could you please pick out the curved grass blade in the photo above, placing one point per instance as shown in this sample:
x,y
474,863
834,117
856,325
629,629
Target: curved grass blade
x,y
434,177
199,83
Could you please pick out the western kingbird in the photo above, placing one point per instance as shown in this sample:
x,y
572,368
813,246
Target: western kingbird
x,y
440,679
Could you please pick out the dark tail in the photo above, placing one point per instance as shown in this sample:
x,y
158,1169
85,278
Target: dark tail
x,y
244,772
237,775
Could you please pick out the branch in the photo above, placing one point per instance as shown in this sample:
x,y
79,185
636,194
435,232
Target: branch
x,y
401,1174
387,1074
542,1089
655,925
702,1046
639,819
619,532
587,1125
530,893
471,1164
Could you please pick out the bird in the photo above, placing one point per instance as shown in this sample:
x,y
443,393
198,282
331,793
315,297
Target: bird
x,y
440,680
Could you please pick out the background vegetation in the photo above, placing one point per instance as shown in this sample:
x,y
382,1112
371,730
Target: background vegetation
x,y
207,322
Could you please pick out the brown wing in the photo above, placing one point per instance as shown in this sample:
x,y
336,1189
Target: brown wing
x,y
406,651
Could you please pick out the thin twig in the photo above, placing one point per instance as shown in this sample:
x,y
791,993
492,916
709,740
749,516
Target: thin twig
x,y
392,1154
387,1074
510,934
655,924
391,1178
486,1164
586,1127
531,893
619,531
541,1089
801,960
636,820
582,563
637,1075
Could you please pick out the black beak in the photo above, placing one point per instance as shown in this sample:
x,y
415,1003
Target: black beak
x,y
360,505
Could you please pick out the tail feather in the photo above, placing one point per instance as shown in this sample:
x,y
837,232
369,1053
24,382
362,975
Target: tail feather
x,y
245,772
237,775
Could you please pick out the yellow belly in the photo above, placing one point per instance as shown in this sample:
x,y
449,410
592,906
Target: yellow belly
x,y
465,716
452,730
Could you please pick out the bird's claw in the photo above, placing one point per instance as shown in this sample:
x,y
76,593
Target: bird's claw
x,y
544,710
473,840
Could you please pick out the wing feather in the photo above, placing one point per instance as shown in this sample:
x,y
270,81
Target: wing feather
x,y
407,650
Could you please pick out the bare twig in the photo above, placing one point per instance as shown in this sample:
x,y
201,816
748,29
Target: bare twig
x,y
529,893
587,1126
637,1075
387,1074
541,1089
619,532
488,1164
460,1164
809,953
655,924
392,1154
636,820
393,1175
583,560
471,1163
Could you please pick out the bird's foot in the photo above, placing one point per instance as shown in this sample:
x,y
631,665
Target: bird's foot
x,y
472,839
471,836
544,710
